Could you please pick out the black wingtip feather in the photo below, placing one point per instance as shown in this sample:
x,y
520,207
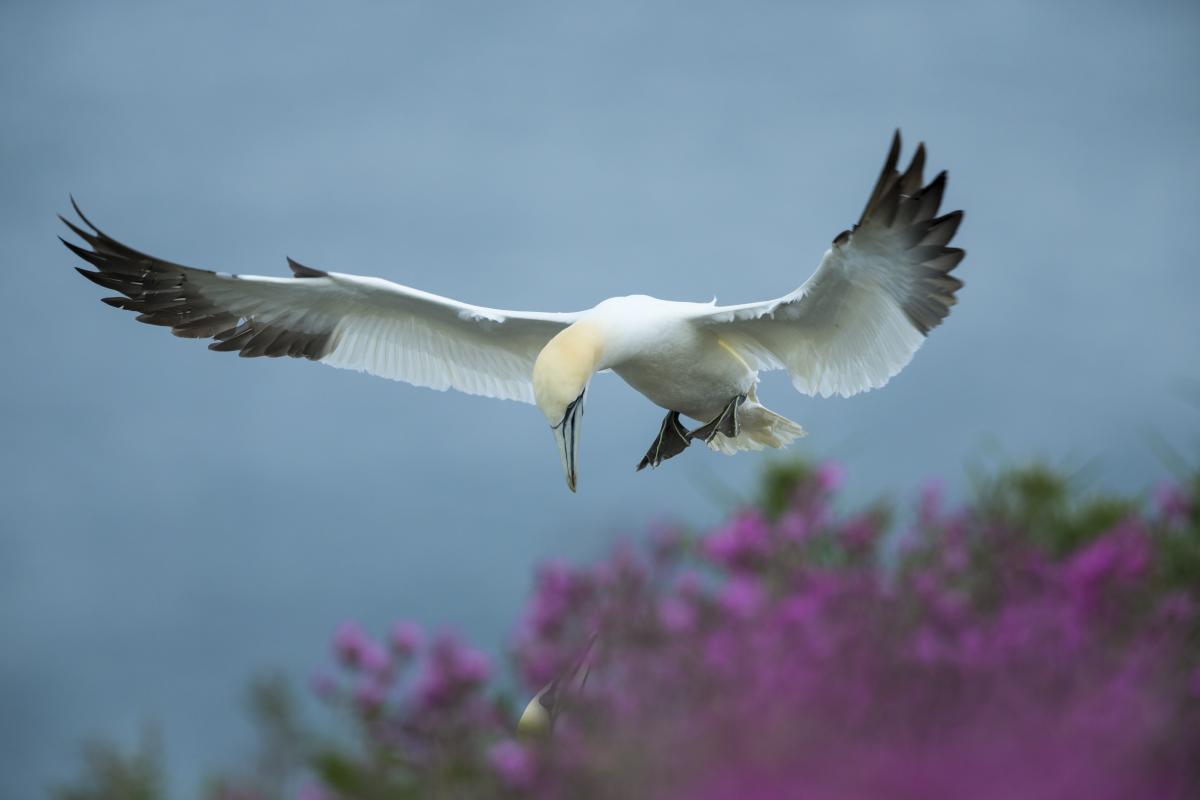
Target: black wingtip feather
x,y
887,177
89,256
162,293
100,279
82,216
910,182
90,238
905,214
941,230
301,271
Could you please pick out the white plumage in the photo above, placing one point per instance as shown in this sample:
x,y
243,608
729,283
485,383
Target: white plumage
x,y
849,328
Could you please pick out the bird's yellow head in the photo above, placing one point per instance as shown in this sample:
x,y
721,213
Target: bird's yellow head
x,y
560,378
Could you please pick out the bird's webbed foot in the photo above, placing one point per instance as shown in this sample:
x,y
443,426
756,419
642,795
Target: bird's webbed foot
x,y
725,423
672,440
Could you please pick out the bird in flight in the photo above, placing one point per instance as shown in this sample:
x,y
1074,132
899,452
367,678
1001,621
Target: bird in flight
x,y
857,321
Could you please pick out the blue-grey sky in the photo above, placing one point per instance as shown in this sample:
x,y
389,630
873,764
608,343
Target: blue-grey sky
x,y
173,520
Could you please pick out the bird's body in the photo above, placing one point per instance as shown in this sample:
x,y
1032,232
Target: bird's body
x,y
655,347
851,326
662,350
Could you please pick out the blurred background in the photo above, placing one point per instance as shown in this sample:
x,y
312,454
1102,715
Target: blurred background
x,y
173,520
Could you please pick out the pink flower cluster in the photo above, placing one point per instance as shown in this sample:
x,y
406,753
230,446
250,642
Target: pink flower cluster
x,y
780,655
395,686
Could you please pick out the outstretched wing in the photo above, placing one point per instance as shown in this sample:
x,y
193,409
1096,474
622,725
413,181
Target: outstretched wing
x,y
348,321
881,287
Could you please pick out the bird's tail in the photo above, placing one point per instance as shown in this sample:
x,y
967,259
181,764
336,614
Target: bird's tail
x,y
759,427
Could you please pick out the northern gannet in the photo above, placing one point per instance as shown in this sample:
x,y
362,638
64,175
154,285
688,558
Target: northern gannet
x,y
856,322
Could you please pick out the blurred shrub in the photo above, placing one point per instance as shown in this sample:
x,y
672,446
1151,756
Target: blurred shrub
x,y
1037,643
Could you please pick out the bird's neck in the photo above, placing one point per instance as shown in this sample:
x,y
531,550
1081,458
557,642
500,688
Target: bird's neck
x,y
567,362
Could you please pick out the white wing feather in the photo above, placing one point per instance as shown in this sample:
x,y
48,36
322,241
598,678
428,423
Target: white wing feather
x,y
875,295
396,332
347,321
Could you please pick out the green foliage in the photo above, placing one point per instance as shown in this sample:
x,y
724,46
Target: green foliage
x,y
110,774
341,773
1045,504
778,485
1180,547
284,746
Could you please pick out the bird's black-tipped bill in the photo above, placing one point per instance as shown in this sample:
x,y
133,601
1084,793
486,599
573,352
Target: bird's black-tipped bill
x,y
566,433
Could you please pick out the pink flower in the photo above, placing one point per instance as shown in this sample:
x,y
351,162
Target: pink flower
x,y
1173,503
860,532
405,638
955,558
348,643
830,476
796,525
931,502
559,590
369,695
742,596
1116,557
512,763
473,666
313,791
541,662
743,542
373,658
433,690
676,614
1176,607
926,647
688,584
453,670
